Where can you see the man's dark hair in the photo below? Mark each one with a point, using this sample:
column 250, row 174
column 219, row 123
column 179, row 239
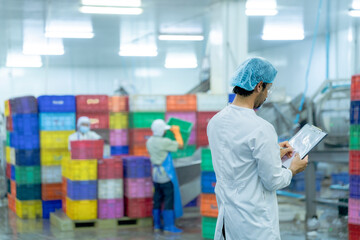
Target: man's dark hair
column 242, row 92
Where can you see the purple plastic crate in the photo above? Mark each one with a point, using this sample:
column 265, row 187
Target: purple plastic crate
column 82, row 190
column 355, row 186
column 137, row 167
column 23, row 105
column 186, row 116
column 354, row 211
column 138, row 187
column 54, row 104
column 110, row 208
column 119, row 137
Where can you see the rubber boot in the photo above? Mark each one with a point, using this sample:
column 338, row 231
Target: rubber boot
column 169, row 222
column 157, row 220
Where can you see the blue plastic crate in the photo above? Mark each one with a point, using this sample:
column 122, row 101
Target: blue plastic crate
column 12, row 172
column 354, row 186
column 119, row 150
column 355, row 112
column 82, row 190
column 50, row 206
column 54, row 104
column 28, row 191
column 208, row 182
column 25, row 123
column 298, row 182
column 193, row 203
column 340, row 178
column 27, row 157
column 137, row 167
column 25, row 142
column 231, row 97
column 57, row 121
column 23, row 105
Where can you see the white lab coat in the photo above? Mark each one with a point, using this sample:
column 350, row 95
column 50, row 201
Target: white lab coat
column 79, row 137
column 246, row 159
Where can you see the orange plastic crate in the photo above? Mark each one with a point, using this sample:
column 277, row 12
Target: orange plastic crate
column 12, row 202
column 139, row 151
column 118, row 104
column 208, row 205
column 13, row 188
column 51, row 191
column 181, row 103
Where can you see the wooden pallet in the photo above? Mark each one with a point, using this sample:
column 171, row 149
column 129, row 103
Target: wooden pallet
column 64, row 223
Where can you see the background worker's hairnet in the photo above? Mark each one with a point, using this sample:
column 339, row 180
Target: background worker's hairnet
column 83, row 120
column 253, row 71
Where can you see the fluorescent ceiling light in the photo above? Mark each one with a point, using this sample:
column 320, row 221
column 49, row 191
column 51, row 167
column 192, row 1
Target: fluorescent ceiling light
column 261, row 12
column 138, row 51
column 43, row 47
column 22, row 61
column 111, row 10
column 166, row 37
column 69, row 34
column 181, row 61
column 285, row 27
column 113, row 3
column 354, row 12
column 69, row 29
column 355, row 4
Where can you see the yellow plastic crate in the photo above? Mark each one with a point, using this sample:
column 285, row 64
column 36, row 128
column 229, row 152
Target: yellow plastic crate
column 81, row 170
column 8, row 152
column 7, row 108
column 51, row 157
column 119, row 120
column 55, row 139
column 29, row 226
column 81, row 210
column 29, row 209
column 64, row 163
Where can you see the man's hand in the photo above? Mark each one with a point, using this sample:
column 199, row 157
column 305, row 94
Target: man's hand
column 298, row 165
column 285, row 149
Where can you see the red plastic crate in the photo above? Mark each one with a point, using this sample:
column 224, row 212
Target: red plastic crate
column 118, row 104
column 354, row 232
column 51, row 191
column 355, row 87
column 12, row 202
column 110, row 208
column 87, row 149
column 111, row 168
column 138, row 207
column 92, row 103
column 97, row 120
column 138, row 137
column 63, row 202
column 354, row 162
column 138, row 187
column 64, row 187
column 8, row 171
column 203, row 118
column 9, row 124
column 201, row 137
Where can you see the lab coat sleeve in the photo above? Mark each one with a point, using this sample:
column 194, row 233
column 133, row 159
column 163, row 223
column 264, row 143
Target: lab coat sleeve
column 266, row 152
column 170, row 145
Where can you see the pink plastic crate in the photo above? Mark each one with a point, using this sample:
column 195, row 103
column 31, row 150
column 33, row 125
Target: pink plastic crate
column 138, row 187
column 110, row 209
column 119, row 137
column 186, row 116
column 354, row 211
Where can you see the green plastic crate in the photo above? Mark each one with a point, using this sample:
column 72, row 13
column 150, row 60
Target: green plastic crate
column 206, row 160
column 8, row 139
column 185, row 129
column 144, row 119
column 208, row 227
column 186, row 152
column 354, row 137
column 28, row 175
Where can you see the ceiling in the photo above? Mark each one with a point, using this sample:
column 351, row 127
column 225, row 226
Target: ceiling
column 102, row 50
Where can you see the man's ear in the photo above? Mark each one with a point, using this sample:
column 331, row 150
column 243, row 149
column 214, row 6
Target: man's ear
column 258, row 87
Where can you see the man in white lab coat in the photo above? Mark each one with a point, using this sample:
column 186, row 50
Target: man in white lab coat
column 83, row 131
column 247, row 159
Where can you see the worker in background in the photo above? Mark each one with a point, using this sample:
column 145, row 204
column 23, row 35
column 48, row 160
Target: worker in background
column 247, row 159
column 167, row 192
column 83, row 131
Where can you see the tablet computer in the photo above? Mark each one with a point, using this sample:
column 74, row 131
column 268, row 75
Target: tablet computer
column 304, row 141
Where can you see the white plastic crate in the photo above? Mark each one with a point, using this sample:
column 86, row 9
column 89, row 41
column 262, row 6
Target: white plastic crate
column 110, row 189
column 12, row 156
column 51, row 174
column 211, row 102
column 147, row 103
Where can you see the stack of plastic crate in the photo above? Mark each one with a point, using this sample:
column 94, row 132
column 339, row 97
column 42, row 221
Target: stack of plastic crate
column 25, row 141
column 110, row 189
column 95, row 107
column 138, row 186
column 57, row 117
column 81, row 179
column 119, row 125
column 208, row 204
column 354, row 161
column 144, row 109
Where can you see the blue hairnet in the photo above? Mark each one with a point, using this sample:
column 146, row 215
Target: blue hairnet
column 252, row 71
